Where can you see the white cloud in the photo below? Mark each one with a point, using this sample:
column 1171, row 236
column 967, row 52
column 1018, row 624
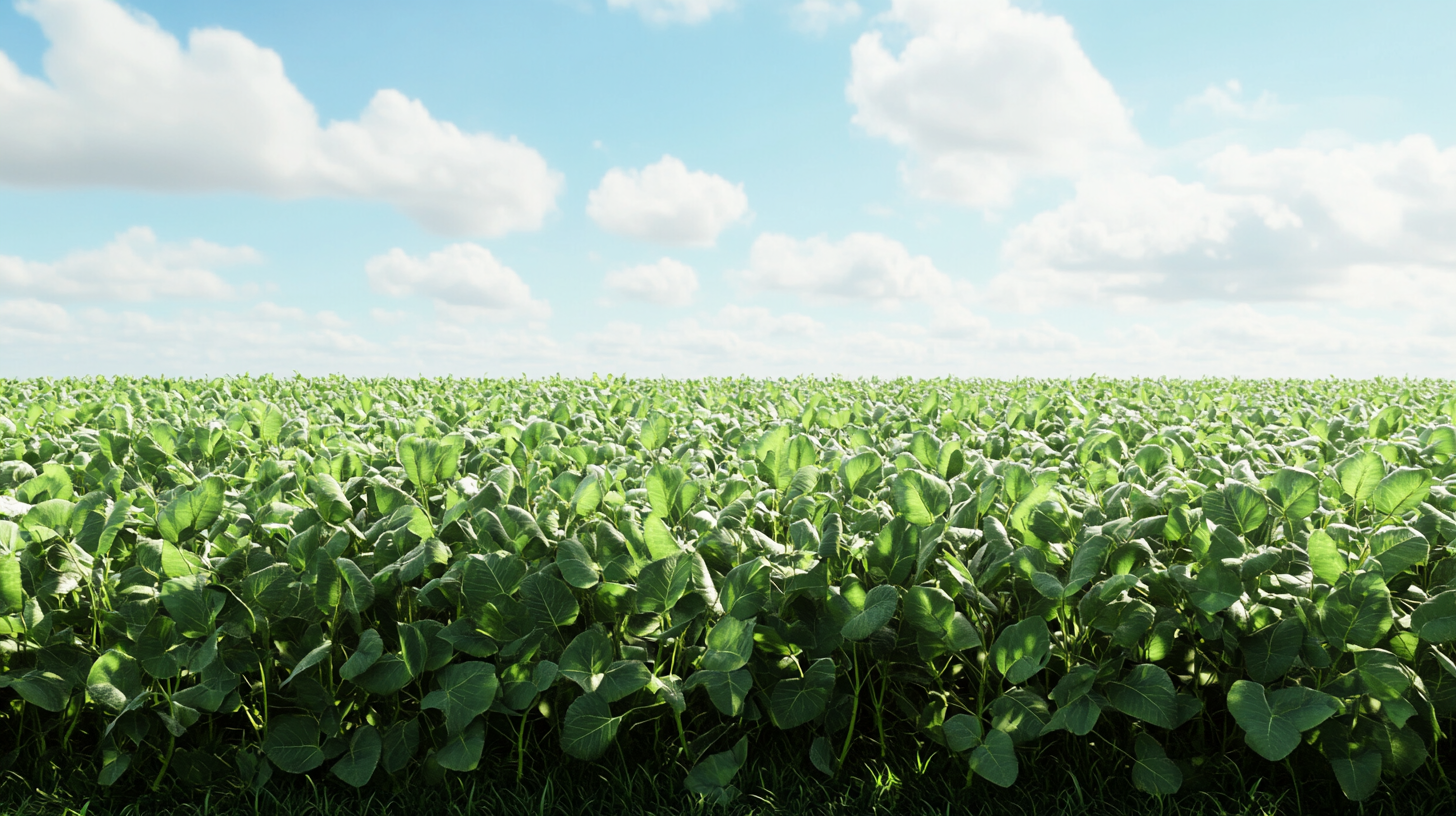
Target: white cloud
column 665, row 283
column 865, row 266
column 133, row 267
column 1227, row 101
column 662, row 12
column 44, row 339
column 665, row 203
column 123, row 104
column 983, row 95
column 463, row 281
column 1366, row 225
column 818, row 16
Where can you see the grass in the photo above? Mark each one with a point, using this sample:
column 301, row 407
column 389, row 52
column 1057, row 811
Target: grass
column 778, row 785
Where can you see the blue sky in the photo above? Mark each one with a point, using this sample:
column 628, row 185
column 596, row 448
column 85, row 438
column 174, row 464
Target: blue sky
column 762, row 187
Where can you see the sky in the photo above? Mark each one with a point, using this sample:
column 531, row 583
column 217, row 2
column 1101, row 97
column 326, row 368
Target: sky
column 686, row 188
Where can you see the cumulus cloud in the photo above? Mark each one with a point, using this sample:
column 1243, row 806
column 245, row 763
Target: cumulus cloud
column 817, row 16
column 133, row 267
column 665, row 283
column 46, row 339
column 982, row 95
column 124, row 104
column 1365, row 225
column 1227, row 101
column 865, row 266
column 662, row 12
column 462, row 280
column 665, row 203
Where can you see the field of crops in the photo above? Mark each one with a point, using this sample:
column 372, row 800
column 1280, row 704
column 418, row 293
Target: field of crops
column 389, row 582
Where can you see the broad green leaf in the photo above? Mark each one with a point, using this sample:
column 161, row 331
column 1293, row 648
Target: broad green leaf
column 12, row 592
column 388, row 675
column 1270, row 652
column 1402, row 491
column 463, row 691
column 746, row 589
column 920, row 497
column 1295, row 493
column 589, row 727
column 713, row 775
column 1358, row 773
column 727, row 690
column 730, row 644
column 586, row 657
column 1077, row 717
column 328, row 497
column 800, row 699
column 1146, row 693
column 661, row 583
column 1325, row 557
column 292, row 743
column 621, row 679
column 357, row 764
column 414, row 648
column 1397, row 549
column 860, row 471
column 963, row 732
column 191, row 512
column 879, row 606
column 995, row 759
column 1152, row 771
column 549, row 600
column 461, row 751
column 192, row 605
column 1435, row 620
column 1359, row 474
column 1022, row 649
column 1218, row 587
column 358, row 592
column 576, row 564
column 1273, row 722
column 1357, row 613
column 369, row 650
column 485, row 578
column 43, row 689
column 114, row 680
column 316, row 655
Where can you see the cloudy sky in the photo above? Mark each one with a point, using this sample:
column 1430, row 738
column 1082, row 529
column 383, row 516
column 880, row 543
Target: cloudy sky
column 762, row 187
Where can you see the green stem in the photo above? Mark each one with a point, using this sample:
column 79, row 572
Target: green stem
column 853, row 712
column 521, row 747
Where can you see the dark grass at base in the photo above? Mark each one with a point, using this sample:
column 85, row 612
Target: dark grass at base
column 619, row 788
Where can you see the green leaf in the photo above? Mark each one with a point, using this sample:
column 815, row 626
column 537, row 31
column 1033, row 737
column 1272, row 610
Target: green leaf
column 995, row 759
column 1325, row 557
column 661, row 583
column 1397, row 549
column 1272, row 723
column 357, row 764
column 713, row 775
column 427, row 462
column 1152, row 771
column 963, row 732
column 879, row 606
column 589, row 727
column 860, row 471
column 1295, row 493
column 12, row 592
column 798, row 700
column 192, row 512
column 1359, row 474
column 1358, row 774
column 369, row 650
column 576, row 565
column 328, row 497
column 1270, row 652
column 114, row 680
column 1146, row 693
column 358, row 592
column 1022, row 649
column 293, row 744
column 461, row 751
column 484, row 578
column 1435, row 620
column 43, row 689
column 1077, row 717
column 388, row 675
column 730, row 644
column 463, row 691
column 621, row 679
column 920, row 497
column 746, row 589
column 549, row 600
column 1402, row 491
column 315, row 656
column 727, row 690
column 1358, row 612
column 414, row 648
column 1246, row 505
column 1218, row 587
column 587, row 656
column 192, row 605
